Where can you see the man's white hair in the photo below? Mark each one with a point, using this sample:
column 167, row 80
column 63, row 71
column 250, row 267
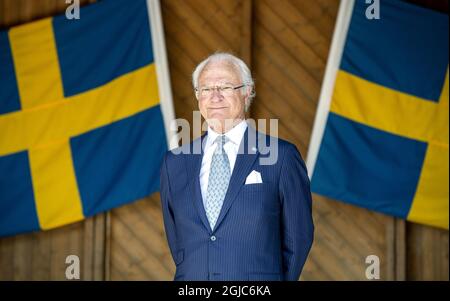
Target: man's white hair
column 239, row 65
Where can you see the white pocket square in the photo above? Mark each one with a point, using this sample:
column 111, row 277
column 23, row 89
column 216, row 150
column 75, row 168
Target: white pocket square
column 253, row 178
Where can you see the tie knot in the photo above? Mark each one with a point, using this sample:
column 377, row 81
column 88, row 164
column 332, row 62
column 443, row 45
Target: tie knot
column 221, row 140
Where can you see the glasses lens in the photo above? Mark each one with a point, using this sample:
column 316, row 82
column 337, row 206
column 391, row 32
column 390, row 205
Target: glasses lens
column 226, row 90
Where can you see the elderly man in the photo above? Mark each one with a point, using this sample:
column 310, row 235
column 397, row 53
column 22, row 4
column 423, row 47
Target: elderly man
column 227, row 215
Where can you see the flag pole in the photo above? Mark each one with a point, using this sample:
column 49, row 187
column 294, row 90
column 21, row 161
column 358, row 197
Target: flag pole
column 162, row 69
column 333, row 62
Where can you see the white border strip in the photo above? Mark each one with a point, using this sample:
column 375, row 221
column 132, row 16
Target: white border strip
column 162, row 69
column 334, row 60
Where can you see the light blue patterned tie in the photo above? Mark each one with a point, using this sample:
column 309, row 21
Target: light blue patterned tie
column 219, row 177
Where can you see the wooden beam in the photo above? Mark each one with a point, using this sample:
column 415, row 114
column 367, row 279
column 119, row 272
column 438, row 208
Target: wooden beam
column 396, row 250
column 245, row 50
column 95, row 248
column 107, row 261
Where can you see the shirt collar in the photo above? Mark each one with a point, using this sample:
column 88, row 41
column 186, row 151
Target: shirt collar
column 234, row 135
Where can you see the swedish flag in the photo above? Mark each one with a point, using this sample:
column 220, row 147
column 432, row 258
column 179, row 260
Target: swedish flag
column 81, row 130
column 385, row 142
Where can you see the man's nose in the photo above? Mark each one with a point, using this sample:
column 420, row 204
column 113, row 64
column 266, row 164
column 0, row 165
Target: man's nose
column 216, row 94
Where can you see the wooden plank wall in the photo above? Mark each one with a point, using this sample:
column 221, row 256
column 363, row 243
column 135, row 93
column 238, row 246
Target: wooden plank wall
column 41, row 256
column 193, row 30
column 291, row 42
column 286, row 43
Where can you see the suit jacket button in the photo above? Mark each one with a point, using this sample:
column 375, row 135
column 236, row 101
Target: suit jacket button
column 213, row 238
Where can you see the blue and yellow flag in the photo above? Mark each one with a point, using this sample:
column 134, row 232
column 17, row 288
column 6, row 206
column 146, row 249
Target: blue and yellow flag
column 385, row 143
column 81, row 130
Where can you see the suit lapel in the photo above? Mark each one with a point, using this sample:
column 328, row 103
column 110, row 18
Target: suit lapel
column 244, row 161
column 193, row 164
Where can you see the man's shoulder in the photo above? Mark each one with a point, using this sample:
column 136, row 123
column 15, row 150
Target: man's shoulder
column 280, row 141
column 191, row 148
column 282, row 144
column 274, row 150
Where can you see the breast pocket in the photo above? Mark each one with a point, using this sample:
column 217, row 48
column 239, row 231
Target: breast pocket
column 260, row 198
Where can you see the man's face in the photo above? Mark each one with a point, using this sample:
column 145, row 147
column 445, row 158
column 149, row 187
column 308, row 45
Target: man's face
column 219, row 107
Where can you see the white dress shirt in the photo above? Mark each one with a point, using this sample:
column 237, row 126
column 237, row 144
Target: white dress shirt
column 231, row 148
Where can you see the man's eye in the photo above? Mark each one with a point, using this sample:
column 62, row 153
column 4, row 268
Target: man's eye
column 206, row 90
column 226, row 88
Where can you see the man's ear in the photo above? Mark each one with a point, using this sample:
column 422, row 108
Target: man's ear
column 246, row 99
column 248, row 93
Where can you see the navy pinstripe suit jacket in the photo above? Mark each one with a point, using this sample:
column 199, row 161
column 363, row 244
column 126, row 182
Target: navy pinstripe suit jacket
column 264, row 231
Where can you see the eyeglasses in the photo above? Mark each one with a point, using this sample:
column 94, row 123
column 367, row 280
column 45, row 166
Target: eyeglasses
column 225, row 90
